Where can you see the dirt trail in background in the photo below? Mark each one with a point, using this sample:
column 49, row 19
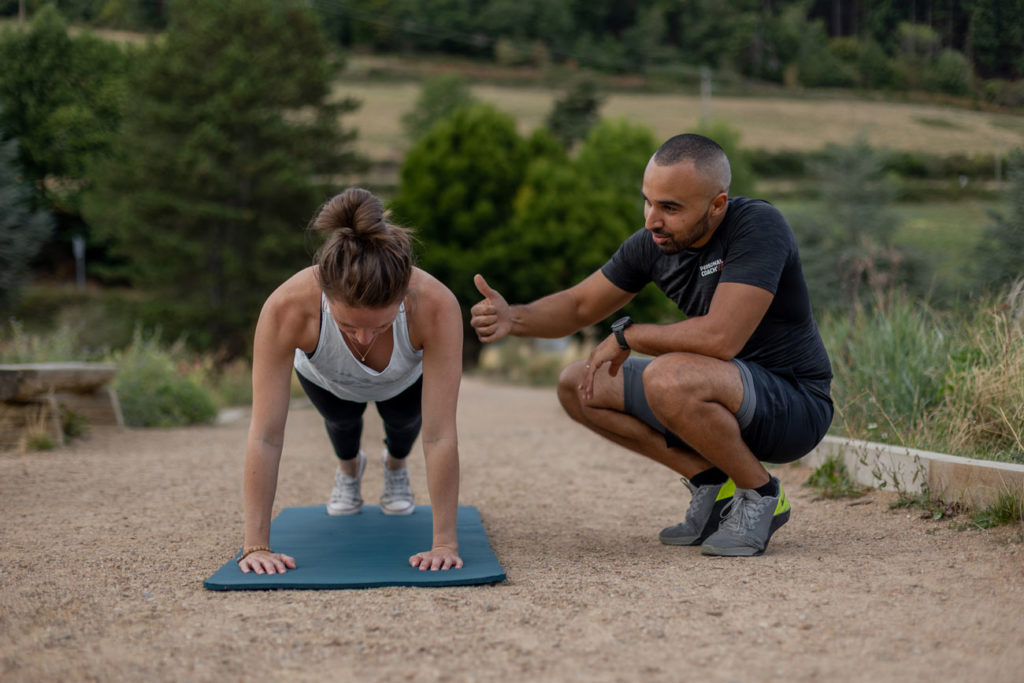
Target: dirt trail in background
column 106, row 543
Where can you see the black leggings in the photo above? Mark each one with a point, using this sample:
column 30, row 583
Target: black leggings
column 401, row 414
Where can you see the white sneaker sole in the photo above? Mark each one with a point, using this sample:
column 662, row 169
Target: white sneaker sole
column 341, row 512
column 398, row 511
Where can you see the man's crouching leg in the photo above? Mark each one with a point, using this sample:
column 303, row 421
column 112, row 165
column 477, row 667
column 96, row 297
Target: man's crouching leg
column 605, row 413
column 697, row 398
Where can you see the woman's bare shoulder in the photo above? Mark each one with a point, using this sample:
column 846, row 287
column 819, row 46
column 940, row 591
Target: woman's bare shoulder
column 428, row 296
column 292, row 311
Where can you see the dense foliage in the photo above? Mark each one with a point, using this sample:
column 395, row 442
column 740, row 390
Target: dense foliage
column 1000, row 255
column 571, row 213
column 458, row 184
column 22, row 230
column 61, row 98
column 439, row 97
column 847, row 249
column 213, row 178
column 938, row 45
column 575, row 112
column 821, row 43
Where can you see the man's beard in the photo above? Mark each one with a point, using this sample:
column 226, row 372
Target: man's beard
column 700, row 229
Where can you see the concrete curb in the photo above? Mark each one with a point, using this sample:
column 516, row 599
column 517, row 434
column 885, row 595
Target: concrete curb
column 975, row 483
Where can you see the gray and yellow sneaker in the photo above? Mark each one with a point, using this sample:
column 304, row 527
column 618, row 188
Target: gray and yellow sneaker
column 703, row 515
column 748, row 523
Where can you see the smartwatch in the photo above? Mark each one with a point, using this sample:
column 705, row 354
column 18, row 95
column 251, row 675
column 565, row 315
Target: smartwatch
column 619, row 329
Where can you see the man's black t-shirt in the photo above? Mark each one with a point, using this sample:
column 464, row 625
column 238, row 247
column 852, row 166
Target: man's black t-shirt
column 753, row 245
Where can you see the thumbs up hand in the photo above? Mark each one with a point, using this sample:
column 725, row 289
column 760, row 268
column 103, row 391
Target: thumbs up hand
column 491, row 317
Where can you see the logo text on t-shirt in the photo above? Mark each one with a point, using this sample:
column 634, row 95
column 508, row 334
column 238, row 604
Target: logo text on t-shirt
column 712, row 267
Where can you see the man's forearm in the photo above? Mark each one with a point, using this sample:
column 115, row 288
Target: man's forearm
column 689, row 335
column 556, row 315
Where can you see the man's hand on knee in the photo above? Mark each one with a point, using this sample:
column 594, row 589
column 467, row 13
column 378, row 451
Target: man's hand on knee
column 607, row 353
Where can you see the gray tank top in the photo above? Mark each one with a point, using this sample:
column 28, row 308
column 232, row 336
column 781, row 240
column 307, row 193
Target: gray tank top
column 333, row 366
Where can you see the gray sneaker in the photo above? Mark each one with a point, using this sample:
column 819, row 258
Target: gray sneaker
column 396, row 499
column 346, row 498
column 748, row 523
column 703, row 515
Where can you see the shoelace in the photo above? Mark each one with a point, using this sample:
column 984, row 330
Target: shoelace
column 345, row 490
column 697, row 491
column 396, row 482
column 747, row 512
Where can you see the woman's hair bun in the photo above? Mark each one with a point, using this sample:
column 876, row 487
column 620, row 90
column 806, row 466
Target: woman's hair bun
column 364, row 260
column 356, row 212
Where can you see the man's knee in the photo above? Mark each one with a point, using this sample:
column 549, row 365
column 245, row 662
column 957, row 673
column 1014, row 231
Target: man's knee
column 682, row 381
column 668, row 381
column 568, row 386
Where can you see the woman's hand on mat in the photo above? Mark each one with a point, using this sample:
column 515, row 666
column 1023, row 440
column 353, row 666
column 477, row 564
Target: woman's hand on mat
column 262, row 562
column 491, row 317
column 440, row 557
column 609, row 352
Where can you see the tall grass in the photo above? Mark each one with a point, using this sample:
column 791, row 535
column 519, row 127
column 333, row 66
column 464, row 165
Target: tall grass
column 158, row 384
column 983, row 403
column 889, row 361
column 911, row 376
column 62, row 344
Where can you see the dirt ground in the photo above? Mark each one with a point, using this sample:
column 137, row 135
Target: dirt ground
column 106, row 543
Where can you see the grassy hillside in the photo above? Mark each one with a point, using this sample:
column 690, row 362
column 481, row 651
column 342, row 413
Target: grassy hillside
column 766, row 122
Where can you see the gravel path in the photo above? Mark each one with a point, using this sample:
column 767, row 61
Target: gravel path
column 105, row 545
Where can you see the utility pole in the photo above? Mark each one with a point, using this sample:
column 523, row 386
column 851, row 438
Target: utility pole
column 705, row 94
column 21, row 11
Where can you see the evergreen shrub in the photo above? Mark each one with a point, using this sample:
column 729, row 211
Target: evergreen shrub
column 156, row 389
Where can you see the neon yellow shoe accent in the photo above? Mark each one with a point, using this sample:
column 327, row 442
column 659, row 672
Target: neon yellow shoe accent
column 783, row 504
column 727, row 491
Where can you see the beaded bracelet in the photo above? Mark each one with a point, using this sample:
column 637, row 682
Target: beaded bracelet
column 254, row 549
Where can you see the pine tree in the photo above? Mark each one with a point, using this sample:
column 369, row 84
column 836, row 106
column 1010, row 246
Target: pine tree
column 22, row 230
column 1000, row 254
column 61, row 98
column 573, row 114
column 224, row 158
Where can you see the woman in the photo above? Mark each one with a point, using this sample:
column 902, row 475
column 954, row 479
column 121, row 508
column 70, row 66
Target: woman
column 361, row 324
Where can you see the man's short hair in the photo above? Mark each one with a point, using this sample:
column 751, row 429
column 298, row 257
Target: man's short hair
column 707, row 157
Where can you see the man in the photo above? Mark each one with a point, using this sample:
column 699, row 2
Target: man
column 743, row 379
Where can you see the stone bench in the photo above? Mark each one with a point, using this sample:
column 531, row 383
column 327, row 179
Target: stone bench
column 36, row 395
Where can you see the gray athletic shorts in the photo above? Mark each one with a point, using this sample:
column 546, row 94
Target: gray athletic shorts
column 780, row 419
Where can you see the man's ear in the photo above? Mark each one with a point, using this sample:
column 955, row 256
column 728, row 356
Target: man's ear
column 719, row 203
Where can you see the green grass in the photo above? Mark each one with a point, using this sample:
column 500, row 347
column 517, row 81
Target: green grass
column 1014, row 124
column 1008, row 509
column 889, row 362
column 833, row 480
column 937, row 122
column 908, row 375
column 942, row 233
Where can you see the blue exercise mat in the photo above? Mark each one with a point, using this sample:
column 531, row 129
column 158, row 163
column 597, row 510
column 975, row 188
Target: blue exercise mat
column 366, row 550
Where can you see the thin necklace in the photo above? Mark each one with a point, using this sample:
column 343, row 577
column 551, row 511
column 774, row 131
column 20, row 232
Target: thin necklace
column 362, row 356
